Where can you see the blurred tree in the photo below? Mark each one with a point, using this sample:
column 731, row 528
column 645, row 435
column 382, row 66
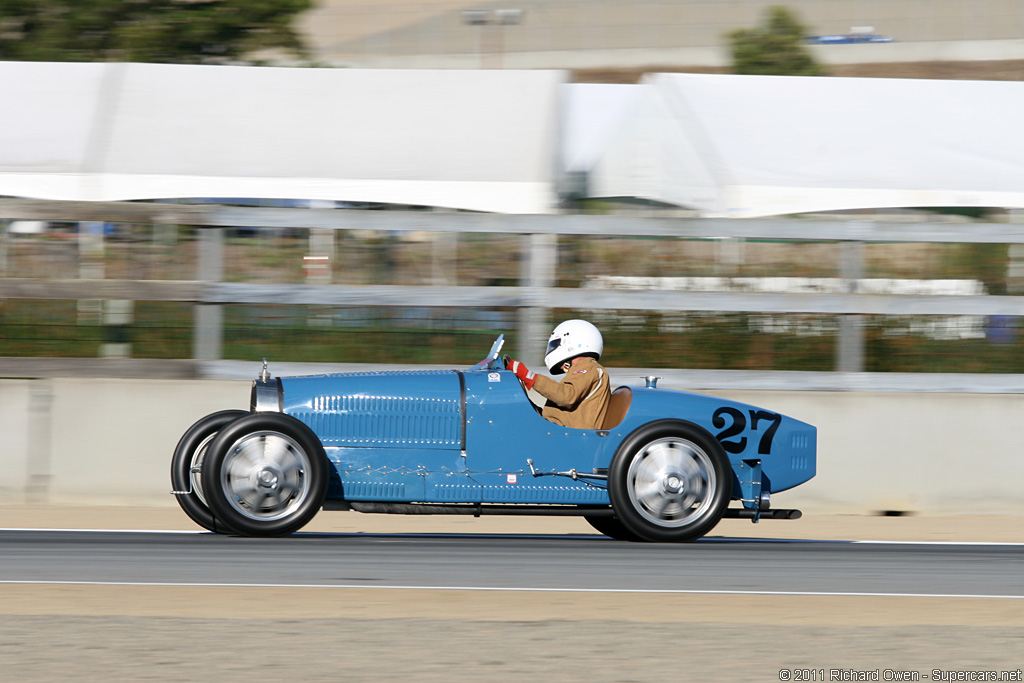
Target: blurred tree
column 167, row 31
column 776, row 48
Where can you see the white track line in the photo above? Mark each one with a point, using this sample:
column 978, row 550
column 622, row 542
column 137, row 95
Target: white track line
column 1007, row 543
column 517, row 589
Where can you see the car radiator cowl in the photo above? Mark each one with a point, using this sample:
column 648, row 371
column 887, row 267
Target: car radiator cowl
column 266, row 395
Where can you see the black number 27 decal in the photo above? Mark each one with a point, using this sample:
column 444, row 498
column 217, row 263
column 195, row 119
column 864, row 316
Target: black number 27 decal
column 734, row 422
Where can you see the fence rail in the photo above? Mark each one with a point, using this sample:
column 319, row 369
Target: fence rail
column 510, row 297
column 796, row 229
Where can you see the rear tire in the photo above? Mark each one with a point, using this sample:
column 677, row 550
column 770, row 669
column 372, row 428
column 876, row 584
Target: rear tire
column 612, row 527
column 187, row 465
column 670, row 481
column 265, row 474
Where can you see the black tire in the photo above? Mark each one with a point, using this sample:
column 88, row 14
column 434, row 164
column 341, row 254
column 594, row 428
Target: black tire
column 186, row 466
column 612, row 527
column 670, row 481
column 265, row 474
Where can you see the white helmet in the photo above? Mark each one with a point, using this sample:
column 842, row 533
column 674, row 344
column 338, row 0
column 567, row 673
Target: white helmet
column 570, row 339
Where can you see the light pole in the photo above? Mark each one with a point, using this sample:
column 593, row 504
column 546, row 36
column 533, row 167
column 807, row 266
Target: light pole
column 492, row 23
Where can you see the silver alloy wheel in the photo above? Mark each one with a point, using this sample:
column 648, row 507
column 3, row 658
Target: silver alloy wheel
column 671, row 482
column 265, row 476
column 195, row 471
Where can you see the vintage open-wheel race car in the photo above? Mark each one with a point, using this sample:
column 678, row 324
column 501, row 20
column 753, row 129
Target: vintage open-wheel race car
column 664, row 466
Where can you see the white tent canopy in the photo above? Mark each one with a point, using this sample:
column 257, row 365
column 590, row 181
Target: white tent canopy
column 479, row 140
column 502, row 141
column 747, row 146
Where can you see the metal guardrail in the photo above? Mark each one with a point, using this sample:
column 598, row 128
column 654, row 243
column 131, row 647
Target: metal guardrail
column 218, row 216
column 510, row 297
column 692, row 380
column 532, row 297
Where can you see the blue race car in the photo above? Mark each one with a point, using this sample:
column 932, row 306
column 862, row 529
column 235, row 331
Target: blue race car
column 664, row 466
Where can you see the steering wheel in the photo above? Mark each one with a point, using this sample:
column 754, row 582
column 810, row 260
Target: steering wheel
column 505, row 360
column 504, row 363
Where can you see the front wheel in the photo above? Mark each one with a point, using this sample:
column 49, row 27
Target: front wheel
column 670, row 481
column 265, row 474
column 187, row 467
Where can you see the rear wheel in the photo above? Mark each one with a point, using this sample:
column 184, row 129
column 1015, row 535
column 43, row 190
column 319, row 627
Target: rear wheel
column 670, row 481
column 187, row 467
column 612, row 527
column 265, row 474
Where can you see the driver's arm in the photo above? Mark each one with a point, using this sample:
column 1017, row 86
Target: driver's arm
column 565, row 394
column 570, row 391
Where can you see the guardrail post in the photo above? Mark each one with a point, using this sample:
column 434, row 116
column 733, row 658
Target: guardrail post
column 91, row 266
column 318, row 264
column 850, row 346
column 4, row 223
column 40, row 454
column 537, row 272
column 208, row 333
column 1015, row 258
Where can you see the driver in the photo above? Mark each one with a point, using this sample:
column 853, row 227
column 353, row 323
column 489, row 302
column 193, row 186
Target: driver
column 581, row 399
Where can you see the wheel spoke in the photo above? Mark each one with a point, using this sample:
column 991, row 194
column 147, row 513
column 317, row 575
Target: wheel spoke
column 291, row 482
column 662, row 505
column 647, row 493
column 696, row 486
column 292, row 469
column 691, row 468
column 249, row 452
column 262, row 500
column 278, row 451
column 687, row 500
column 238, row 469
column 659, row 457
column 268, row 500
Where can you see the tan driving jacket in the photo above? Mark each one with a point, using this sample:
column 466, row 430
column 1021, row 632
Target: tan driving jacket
column 581, row 399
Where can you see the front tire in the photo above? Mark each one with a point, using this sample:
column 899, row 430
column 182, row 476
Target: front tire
column 670, row 481
column 265, row 475
column 187, row 467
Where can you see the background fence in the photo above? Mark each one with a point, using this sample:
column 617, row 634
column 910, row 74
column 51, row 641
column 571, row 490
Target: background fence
column 171, row 290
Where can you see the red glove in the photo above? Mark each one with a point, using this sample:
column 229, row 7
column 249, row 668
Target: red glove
column 520, row 371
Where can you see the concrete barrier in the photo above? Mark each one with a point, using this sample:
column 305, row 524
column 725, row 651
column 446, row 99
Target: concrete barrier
column 928, row 453
column 109, row 442
column 100, row 441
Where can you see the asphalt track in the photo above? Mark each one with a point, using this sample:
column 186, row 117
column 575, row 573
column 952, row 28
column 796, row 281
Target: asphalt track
column 514, row 562
column 360, row 598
